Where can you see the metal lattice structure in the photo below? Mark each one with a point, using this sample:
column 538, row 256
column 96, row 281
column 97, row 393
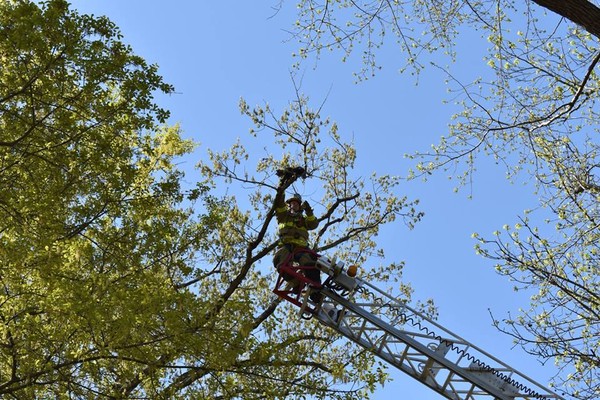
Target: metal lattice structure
column 407, row 339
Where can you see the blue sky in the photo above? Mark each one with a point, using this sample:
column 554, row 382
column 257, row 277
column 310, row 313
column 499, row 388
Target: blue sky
column 216, row 52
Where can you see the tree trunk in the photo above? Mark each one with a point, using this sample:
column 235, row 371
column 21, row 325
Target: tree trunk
column 582, row 12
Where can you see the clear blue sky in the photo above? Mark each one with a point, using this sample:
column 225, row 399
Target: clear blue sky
column 215, row 52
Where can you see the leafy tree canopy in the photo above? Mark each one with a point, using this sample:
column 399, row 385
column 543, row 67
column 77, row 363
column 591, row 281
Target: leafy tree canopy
column 118, row 281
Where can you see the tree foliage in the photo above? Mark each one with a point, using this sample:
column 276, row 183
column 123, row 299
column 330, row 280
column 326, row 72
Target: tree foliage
column 118, row 281
column 352, row 210
column 533, row 109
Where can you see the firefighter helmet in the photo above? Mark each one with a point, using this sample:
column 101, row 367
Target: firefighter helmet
column 295, row 197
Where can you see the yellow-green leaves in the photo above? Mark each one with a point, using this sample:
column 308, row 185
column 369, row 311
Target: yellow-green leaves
column 95, row 246
column 282, row 349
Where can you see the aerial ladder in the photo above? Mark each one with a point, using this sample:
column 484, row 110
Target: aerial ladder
column 402, row 336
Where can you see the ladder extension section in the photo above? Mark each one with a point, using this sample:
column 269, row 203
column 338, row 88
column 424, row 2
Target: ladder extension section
column 413, row 343
column 423, row 349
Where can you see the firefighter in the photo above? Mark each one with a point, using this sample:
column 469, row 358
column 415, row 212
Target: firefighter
column 293, row 234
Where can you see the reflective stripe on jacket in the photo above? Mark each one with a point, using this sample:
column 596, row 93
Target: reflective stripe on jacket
column 293, row 229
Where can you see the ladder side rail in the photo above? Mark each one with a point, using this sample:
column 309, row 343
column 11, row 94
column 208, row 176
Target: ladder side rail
column 402, row 306
column 461, row 346
column 484, row 374
column 384, row 331
column 403, row 361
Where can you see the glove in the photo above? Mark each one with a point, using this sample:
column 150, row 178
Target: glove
column 306, row 207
